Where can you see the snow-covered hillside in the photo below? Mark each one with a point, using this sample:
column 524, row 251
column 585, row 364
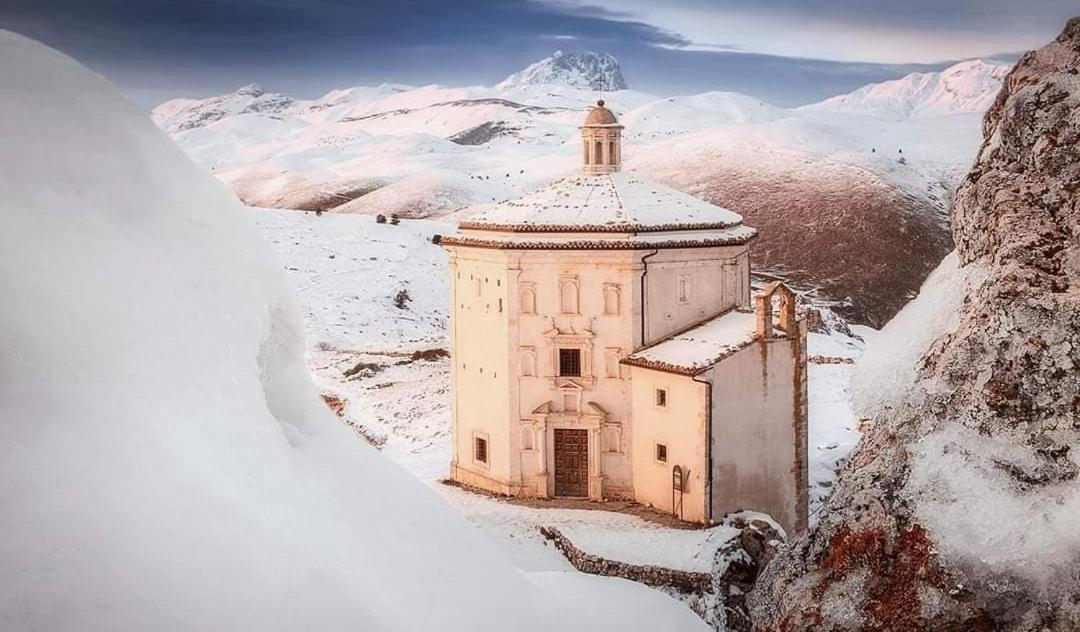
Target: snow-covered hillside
column 435, row 149
column 969, row 86
column 415, row 151
column 588, row 71
column 820, row 180
column 280, row 152
column 676, row 116
column 166, row 462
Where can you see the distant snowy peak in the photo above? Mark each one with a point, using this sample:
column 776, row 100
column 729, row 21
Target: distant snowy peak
column 969, row 86
column 586, row 71
column 179, row 115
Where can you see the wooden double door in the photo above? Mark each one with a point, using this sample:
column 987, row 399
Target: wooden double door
column 571, row 462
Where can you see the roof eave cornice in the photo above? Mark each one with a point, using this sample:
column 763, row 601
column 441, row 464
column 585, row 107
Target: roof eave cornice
column 594, row 244
column 596, row 228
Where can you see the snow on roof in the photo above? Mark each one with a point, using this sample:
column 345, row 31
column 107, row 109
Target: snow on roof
column 574, row 240
column 700, row 347
column 614, row 202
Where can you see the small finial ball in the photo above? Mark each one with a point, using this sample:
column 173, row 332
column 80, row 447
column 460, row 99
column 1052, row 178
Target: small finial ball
column 600, row 103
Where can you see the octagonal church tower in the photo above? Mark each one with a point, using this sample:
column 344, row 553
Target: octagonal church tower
column 589, row 322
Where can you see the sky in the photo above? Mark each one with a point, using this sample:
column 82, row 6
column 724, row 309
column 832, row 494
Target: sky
column 785, row 51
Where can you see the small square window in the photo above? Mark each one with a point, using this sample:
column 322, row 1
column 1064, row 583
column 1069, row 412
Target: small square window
column 661, row 397
column 570, row 362
column 661, row 452
column 480, row 450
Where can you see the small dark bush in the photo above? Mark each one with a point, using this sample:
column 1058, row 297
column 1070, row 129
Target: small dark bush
column 429, row 355
column 402, row 299
column 380, row 219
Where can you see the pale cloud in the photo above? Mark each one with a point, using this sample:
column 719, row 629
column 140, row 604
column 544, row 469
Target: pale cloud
column 917, row 31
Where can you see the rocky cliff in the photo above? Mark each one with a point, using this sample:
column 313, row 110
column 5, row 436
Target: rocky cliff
column 959, row 510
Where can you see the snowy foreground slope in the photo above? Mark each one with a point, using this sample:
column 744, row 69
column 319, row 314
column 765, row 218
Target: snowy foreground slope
column 165, row 460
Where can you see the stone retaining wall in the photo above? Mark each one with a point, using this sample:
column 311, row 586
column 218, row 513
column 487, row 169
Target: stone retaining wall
column 684, row 581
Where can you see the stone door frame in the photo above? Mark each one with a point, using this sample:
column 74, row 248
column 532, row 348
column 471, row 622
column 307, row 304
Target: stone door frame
column 548, row 422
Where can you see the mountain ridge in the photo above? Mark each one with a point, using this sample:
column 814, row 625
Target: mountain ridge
column 963, row 87
column 587, row 71
column 433, row 150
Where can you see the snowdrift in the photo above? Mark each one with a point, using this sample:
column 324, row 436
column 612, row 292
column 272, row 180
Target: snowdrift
column 165, row 462
column 886, row 372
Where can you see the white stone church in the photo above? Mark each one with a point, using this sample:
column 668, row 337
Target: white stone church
column 605, row 346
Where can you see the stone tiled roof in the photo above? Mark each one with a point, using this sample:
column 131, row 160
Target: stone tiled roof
column 615, row 202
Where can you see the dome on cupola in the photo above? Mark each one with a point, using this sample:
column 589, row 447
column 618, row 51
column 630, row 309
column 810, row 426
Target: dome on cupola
column 600, row 115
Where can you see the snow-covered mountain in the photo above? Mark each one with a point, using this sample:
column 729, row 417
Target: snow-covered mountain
column 180, row 115
column 969, row 86
column 433, row 150
column 588, row 71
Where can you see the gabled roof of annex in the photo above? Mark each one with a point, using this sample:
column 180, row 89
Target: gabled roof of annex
column 694, row 350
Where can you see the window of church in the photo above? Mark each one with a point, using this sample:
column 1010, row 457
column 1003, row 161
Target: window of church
column 480, row 450
column 570, row 362
column 684, row 289
column 661, row 398
column 611, row 299
column 661, row 452
column 527, row 437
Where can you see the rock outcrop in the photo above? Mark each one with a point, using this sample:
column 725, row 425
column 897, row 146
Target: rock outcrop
column 960, row 508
